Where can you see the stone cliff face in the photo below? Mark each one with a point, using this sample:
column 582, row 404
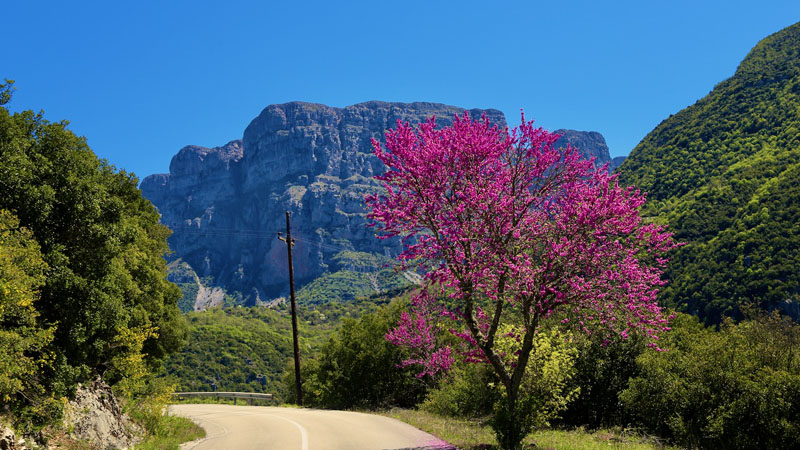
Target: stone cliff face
column 227, row 204
column 590, row 144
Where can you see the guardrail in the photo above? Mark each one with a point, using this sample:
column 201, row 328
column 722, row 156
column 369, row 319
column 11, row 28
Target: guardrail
column 249, row 396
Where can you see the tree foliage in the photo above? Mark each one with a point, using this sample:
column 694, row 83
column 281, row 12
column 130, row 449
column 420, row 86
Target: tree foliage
column 358, row 368
column 738, row 388
column 22, row 336
column 511, row 230
column 602, row 371
column 102, row 245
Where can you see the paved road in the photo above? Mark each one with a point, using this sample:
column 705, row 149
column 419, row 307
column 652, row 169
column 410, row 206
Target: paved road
column 230, row 427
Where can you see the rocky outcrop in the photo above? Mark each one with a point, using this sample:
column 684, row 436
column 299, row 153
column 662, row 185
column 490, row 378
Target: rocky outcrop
column 94, row 415
column 591, row 144
column 10, row 441
column 226, row 204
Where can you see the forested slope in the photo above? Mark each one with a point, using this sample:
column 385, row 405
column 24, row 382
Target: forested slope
column 723, row 173
column 250, row 348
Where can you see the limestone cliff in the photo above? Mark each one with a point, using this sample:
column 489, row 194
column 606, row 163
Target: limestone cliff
column 591, row 144
column 226, row 204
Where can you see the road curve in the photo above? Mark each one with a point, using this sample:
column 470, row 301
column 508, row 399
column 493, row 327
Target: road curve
column 230, row 427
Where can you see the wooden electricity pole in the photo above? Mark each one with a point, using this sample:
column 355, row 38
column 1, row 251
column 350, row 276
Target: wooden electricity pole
column 289, row 244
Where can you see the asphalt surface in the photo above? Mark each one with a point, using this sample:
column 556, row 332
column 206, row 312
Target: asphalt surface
column 230, row 427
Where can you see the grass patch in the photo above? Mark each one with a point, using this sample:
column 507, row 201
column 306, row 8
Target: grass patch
column 476, row 435
column 170, row 433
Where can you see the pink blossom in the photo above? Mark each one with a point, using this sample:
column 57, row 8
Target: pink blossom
column 507, row 220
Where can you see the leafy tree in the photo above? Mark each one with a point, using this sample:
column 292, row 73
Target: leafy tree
column 738, row 388
column 549, row 373
column 511, row 230
column 602, row 371
column 101, row 241
column 23, row 338
column 357, row 367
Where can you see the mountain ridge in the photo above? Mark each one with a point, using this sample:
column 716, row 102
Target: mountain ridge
column 226, row 204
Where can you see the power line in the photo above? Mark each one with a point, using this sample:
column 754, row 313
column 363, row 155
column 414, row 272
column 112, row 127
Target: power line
column 243, row 232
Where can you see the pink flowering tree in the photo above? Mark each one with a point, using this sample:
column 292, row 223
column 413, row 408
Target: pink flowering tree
column 510, row 229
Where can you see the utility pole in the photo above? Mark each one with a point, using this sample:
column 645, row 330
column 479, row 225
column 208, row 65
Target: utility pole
column 289, row 244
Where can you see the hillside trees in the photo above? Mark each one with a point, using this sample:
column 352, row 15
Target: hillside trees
column 511, row 231
column 102, row 245
column 358, row 368
column 723, row 174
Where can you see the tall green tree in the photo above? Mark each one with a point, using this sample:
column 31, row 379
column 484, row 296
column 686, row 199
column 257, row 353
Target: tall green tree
column 21, row 276
column 359, row 368
column 101, row 241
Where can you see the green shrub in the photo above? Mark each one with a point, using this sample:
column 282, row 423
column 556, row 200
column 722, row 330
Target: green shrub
column 469, row 390
column 738, row 388
column 548, row 383
column 602, row 371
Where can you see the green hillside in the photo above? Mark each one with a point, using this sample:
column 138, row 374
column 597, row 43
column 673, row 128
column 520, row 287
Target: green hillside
column 361, row 275
column 353, row 275
column 249, row 348
column 241, row 349
column 723, row 173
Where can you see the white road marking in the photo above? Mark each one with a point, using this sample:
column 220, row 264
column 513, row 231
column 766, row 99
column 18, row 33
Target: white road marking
column 303, row 433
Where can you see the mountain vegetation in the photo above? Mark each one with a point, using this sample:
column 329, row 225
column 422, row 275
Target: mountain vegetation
column 723, row 173
column 83, row 289
column 360, row 275
column 248, row 348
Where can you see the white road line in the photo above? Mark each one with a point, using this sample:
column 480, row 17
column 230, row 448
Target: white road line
column 303, row 433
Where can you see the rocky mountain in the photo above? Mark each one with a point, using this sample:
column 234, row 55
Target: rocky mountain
column 723, row 173
column 591, row 144
column 226, row 204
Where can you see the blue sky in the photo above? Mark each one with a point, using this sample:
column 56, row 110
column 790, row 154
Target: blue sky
column 142, row 79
